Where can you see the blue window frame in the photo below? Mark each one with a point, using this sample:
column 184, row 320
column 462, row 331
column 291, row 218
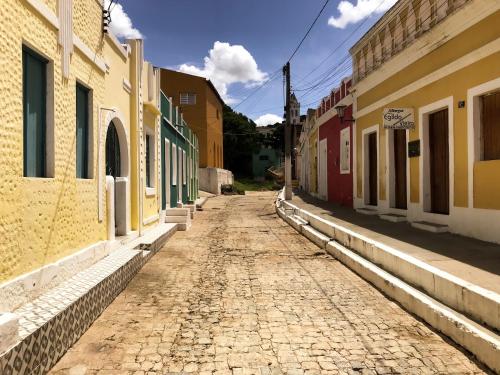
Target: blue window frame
column 82, row 131
column 34, row 113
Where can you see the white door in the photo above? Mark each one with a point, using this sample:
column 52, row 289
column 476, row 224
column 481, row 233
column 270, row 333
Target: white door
column 322, row 169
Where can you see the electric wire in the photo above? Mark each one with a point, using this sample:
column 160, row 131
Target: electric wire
column 308, row 30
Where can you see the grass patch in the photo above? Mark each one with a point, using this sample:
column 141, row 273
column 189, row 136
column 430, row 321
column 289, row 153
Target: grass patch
column 248, row 184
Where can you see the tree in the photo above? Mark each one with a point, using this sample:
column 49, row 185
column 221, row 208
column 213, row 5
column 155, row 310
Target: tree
column 241, row 140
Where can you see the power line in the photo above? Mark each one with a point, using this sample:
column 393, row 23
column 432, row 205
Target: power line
column 309, row 30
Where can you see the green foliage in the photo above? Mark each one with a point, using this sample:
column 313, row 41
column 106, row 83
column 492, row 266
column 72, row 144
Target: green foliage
column 241, row 140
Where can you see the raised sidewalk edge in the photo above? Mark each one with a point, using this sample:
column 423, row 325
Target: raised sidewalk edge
column 339, row 241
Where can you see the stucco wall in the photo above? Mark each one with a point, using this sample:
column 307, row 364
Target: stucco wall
column 42, row 217
column 455, row 84
column 340, row 188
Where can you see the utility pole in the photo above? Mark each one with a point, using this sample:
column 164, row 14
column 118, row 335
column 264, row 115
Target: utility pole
column 288, row 126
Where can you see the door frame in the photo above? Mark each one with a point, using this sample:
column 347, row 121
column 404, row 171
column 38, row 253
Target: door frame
column 424, row 160
column 391, row 175
column 365, row 166
column 323, row 180
column 167, row 178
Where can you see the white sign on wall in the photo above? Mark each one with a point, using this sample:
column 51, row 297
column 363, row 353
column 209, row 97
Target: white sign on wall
column 399, row 118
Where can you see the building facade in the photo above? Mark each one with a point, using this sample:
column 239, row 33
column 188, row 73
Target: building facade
column 179, row 155
column 426, row 80
column 335, row 122
column 80, row 172
column 201, row 106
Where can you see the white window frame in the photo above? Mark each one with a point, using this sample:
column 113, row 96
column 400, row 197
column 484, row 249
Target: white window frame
column 150, row 190
column 348, row 157
column 474, row 129
column 174, row 164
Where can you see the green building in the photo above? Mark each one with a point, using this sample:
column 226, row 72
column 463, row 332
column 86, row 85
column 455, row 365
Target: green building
column 179, row 158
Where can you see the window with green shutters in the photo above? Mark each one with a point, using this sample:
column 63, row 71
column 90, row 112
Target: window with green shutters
column 34, row 113
column 82, row 132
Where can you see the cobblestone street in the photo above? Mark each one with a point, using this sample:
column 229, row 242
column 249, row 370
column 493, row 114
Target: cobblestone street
column 243, row 293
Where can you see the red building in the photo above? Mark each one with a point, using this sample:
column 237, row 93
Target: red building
column 335, row 179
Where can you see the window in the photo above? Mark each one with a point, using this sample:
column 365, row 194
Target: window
column 174, row 164
column 490, row 123
column 34, row 114
column 149, row 162
column 82, row 132
column 345, row 151
column 187, row 98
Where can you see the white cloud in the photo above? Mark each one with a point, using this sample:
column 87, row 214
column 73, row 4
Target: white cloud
column 268, row 119
column 350, row 13
column 227, row 64
column 121, row 24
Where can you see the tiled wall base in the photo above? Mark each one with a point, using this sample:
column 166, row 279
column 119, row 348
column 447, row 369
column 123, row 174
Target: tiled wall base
column 51, row 324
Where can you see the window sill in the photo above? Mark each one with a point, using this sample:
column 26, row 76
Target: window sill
column 150, row 191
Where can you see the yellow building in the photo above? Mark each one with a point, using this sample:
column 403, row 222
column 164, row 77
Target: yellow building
column 80, row 161
column 427, row 110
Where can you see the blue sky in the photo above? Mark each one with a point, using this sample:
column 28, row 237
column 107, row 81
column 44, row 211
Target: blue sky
column 255, row 39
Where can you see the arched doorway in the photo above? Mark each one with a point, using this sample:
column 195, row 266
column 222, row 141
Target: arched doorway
column 116, row 166
column 113, row 162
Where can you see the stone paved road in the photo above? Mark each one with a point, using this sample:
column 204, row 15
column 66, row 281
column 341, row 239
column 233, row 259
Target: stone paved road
column 243, row 293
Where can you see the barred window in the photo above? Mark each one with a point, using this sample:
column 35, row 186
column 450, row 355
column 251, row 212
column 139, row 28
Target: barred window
column 187, row 98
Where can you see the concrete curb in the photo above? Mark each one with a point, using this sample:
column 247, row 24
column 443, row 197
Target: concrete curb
column 480, row 341
column 479, row 304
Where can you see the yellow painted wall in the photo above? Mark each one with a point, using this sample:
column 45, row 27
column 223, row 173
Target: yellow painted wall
column 456, row 84
column 42, row 218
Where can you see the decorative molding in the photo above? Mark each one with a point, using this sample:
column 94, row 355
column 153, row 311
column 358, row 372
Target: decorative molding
column 470, row 58
column 65, row 38
column 116, row 43
column 423, row 44
column 87, row 52
column 45, row 12
column 151, row 219
column 127, row 86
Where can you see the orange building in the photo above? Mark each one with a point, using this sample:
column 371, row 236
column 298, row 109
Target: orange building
column 201, row 107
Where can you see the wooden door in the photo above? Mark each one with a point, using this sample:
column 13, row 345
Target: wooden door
column 400, row 168
column 439, row 162
column 372, row 169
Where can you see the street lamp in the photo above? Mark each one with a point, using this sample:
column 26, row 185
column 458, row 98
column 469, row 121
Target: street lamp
column 341, row 112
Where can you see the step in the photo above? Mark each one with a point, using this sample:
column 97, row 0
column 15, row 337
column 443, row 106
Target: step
column 482, row 342
column 177, row 219
column 43, row 323
column 177, row 212
column 315, row 236
column 478, row 305
column 430, row 227
column 395, row 218
column 366, row 211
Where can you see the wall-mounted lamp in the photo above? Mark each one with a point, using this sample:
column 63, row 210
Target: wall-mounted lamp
column 341, row 112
